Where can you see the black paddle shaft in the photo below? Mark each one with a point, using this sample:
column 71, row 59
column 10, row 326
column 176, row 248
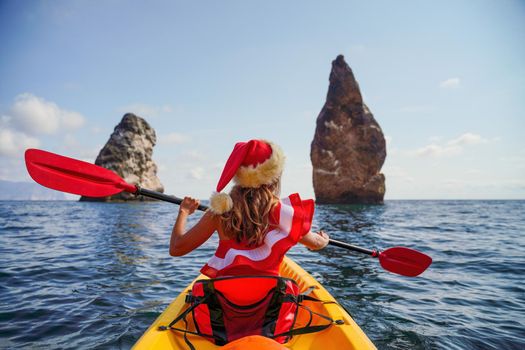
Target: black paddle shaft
column 353, row 247
column 164, row 197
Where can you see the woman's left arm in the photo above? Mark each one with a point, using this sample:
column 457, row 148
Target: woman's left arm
column 182, row 243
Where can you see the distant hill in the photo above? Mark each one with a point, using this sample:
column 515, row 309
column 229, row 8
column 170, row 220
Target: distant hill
column 10, row 190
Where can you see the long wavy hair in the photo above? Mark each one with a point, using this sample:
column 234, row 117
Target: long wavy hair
column 249, row 219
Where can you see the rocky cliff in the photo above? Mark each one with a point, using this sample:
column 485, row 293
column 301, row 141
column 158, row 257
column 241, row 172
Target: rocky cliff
column 128, row 153
column 348, row 149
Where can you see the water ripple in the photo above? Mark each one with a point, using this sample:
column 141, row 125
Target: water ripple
column 95, row 275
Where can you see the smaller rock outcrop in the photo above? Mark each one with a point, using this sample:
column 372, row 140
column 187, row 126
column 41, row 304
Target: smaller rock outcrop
column 348, row 149
column 128, row 153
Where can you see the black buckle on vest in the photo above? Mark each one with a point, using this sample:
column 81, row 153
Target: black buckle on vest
column 193, row 299
column 189, row 298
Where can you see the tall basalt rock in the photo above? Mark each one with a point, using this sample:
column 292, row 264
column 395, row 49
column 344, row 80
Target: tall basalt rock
column 128, row 153
column 348, row 149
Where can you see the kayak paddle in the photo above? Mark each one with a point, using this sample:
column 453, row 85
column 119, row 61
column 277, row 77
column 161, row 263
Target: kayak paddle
column 82, row 178
column 401, row 260
column 85, row 179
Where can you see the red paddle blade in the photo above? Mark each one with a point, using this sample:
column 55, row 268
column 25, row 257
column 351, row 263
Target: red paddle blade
column 404, row 261
column 73, row 176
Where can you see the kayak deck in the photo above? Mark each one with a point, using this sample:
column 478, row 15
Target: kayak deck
column 345, row 336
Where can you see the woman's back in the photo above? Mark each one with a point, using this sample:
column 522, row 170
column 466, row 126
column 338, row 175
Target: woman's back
column 289, row 220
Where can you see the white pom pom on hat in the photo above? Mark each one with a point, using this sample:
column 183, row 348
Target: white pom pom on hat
column 220, row 203
column 251, row 164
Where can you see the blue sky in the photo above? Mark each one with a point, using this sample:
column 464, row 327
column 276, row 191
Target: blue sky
column 445, row 80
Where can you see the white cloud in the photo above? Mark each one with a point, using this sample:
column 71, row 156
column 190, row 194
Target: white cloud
column 31, row 116
column 450, row 83
column 173, row 138
column 450, row 148
column 35, row 116
column 434, row 150
column 13, row 143
column 467, row 139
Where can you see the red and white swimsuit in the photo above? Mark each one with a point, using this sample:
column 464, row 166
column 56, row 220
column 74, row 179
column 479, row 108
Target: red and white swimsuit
column 293, row 218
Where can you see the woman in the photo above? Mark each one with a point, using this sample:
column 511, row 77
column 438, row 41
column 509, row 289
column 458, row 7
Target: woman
column 255, row 228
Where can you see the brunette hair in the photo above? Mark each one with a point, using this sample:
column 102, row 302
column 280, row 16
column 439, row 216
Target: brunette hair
column 249, row 219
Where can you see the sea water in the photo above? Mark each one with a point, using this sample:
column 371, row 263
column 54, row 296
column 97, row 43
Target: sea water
column 96, row 275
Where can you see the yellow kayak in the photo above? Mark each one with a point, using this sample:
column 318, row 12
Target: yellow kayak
column 346, row 335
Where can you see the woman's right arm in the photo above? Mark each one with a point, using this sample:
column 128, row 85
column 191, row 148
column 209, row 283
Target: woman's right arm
column 315, row 240
column 181, row 242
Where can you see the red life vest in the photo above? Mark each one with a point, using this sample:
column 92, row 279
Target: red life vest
column 292, row 219
column 266, row 306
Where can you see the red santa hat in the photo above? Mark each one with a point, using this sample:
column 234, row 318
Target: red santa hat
column 251, row 164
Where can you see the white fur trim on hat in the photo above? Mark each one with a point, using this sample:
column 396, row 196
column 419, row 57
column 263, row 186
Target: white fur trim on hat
column 265, row 173
column 220, row 203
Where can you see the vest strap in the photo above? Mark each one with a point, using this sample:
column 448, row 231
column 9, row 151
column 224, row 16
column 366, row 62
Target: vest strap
column 216, row 314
